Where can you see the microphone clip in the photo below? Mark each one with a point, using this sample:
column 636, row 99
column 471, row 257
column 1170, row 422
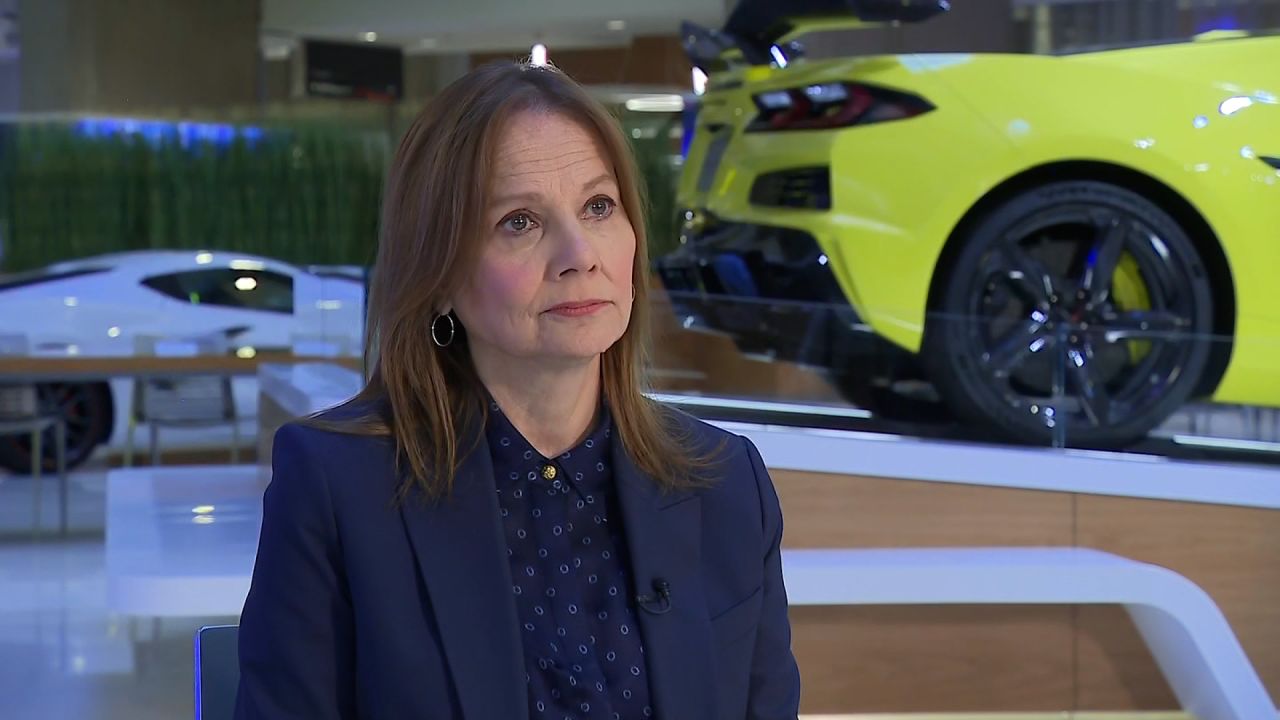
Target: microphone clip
column 660, row 602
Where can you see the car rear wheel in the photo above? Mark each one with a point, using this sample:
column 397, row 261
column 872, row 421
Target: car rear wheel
column 1078, row 308
column 88, row 411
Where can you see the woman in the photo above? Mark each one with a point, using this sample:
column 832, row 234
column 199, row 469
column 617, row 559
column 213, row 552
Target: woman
column 501, row 525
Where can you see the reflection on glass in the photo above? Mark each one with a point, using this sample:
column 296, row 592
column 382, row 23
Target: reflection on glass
column 1233, row 105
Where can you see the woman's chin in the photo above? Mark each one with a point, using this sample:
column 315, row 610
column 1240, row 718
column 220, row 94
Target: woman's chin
column 580, row 348
column 586, row 341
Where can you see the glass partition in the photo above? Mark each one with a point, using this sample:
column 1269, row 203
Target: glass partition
column 263, row 235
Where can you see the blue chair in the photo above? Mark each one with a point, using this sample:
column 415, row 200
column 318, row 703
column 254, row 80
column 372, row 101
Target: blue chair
column 217, row 671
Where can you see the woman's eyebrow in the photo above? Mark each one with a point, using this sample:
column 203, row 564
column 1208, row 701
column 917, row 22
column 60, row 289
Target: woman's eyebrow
column 533, row 195
column 513, row 198
column 600, row 179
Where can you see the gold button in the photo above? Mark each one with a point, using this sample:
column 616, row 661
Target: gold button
column 549, row 472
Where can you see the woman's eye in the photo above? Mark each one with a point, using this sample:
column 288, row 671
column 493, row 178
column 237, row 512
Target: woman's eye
column 517, row 224
column 600, row 207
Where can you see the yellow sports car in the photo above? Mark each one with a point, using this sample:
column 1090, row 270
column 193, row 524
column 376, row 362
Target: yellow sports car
column 1072, row 243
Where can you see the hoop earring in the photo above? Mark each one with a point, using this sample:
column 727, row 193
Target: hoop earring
column 435, row 332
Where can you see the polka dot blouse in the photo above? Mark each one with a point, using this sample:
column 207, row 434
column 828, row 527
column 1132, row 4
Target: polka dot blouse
column 582, row 649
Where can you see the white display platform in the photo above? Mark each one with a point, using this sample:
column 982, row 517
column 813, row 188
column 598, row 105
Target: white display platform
column 181, row 542
column 1092, row 472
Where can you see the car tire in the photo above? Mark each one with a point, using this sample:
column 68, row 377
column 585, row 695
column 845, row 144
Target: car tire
column 89, row 412
column 1077, row 312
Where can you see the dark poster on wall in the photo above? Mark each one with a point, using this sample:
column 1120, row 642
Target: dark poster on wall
column 354, row 70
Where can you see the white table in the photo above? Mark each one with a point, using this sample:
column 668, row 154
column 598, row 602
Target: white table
column 305, row 388
column 181, row 541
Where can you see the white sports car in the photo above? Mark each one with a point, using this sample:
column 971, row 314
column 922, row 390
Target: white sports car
column 100, row 306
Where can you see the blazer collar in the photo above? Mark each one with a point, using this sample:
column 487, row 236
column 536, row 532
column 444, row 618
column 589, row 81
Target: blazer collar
column 664, row 537
column 462, row 554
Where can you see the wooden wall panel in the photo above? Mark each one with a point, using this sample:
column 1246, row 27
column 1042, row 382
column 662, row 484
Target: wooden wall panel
column 822, row 510
column 919, row 659
column 1114, row 669
column 878, row 659
column 1231, row 552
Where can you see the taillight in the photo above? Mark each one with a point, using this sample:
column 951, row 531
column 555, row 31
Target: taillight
column 833, row 105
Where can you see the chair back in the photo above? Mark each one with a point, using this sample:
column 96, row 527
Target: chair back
column 190, row 399
column 217, row 671
column 196, row 399
column 14, row 344
column 19, row 402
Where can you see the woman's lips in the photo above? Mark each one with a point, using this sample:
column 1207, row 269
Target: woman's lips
column 578, row 309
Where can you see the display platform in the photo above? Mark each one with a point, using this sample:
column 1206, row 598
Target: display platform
column 1215, row 523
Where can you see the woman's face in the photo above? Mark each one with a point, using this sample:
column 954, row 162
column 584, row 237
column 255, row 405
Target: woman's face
column 554, row 278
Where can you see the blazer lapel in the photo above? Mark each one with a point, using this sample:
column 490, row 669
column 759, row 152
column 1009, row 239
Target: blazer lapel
column 461, row 551
column 664, row 539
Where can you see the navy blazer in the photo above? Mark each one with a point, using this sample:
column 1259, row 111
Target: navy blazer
column 364, row 608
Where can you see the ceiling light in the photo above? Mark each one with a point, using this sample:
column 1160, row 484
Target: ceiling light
column 369, row 36
column 538, row 55
column 616, row 25
column 246, row 283
column 699, row 81
column 656, row 103
column 275, row 48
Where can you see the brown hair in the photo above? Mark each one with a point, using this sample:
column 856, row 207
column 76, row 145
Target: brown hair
column 428, row 398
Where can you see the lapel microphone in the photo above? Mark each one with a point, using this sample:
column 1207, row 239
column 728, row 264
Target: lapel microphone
column 660, row 602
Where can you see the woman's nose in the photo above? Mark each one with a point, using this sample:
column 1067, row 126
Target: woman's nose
column 576, row 252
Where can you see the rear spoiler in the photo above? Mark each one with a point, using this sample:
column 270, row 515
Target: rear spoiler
column 755, row 27
column 709, row 50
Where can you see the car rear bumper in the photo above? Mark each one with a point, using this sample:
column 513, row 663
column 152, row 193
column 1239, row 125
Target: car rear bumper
column 770, row 288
